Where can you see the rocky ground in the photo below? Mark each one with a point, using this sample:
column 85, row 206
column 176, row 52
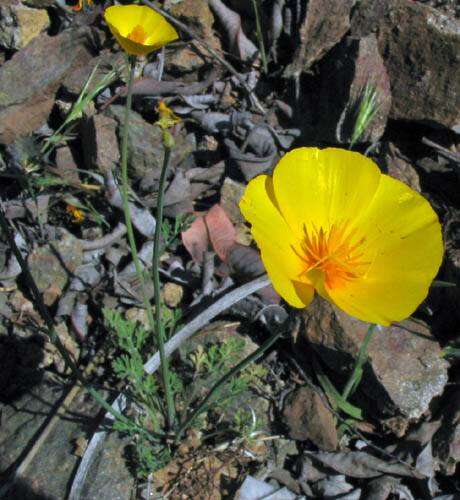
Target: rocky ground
column 59, row 191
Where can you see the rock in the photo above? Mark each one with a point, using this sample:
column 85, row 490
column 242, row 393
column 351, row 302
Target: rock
column 145, row 148
column 29, row 80
column 355, row 64
column 446, row 442
column 172, row 294
column 66, row 166
column 319, row 32
column 230, row 195
column 198, row 16
column 52, row 468
column 51, row 271
column 20, row 24
column 307, row 418
column 101, row 144
column 420, row 47
column 404, row 371
column 74, row 82
column 398, row 166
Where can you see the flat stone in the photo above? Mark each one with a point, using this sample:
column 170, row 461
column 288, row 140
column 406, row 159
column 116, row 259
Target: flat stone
column 20, row 24
column 404, row 370
column 420, row 47
column 50, row 473
column 26, row 102
column 355, row 64
column 307, row 418
column 51, row 265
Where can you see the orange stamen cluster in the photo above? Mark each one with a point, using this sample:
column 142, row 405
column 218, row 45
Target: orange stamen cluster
column 138, row 34
column 335, row 252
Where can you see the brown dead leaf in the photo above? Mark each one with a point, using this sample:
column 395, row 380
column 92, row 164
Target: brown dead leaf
column 221, row 231
column 196, row 240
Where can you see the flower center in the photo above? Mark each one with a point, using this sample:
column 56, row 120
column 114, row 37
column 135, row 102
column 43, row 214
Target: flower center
column 138, row 34
column 336, row 252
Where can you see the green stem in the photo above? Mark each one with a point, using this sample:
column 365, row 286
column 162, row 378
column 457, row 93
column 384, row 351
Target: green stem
column 263, row 54
column 228, row 376
column 164, row 363
column 132, row 242
column 355, row 377
column 51, row 331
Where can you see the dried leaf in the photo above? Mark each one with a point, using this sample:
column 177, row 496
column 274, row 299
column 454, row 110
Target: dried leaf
column 196, row 240
column 362, row 465
column 221, row 231
column 239, row 44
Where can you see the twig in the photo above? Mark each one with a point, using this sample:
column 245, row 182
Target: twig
column 453, row 157
column 106, row 240
column 154, row 362
column 199, row 41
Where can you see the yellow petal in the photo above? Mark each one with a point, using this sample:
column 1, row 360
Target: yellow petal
column 123, row 20
column 276, row 241
column 323, row 186
column 404, row 243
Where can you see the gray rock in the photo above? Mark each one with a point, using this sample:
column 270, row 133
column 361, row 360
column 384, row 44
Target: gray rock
column 51, row 265
column 404, row 370
column 20, row 24
column 145, row 147
column 101, row 144
column 51, row 470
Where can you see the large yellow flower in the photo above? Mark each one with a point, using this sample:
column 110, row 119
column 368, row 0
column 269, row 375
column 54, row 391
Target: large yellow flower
column 139, row 29
column 328, row 220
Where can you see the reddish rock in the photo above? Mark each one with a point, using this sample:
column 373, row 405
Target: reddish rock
column 354, row 65
column 29, row 80
column 420, row 47
column 404, row 370
column 307, row 418
column 324, row 25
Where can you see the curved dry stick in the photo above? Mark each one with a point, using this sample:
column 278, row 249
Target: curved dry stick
column 153, row 363
column 108, row 239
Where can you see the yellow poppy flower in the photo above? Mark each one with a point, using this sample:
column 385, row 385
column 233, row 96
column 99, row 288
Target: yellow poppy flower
column 328, row 220
column 139, row 29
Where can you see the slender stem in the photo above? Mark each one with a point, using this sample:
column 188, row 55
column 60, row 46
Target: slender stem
column 357, row 370
column 159, row 327
column 129, row 227
column 50, row 329
column 260, row 36
column 229, row 375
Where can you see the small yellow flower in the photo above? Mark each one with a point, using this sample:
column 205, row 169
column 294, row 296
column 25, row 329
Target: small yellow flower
column 81, row 3
column 78, row 215
column 328, row 220
column 139, row 29
column 167, row 117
